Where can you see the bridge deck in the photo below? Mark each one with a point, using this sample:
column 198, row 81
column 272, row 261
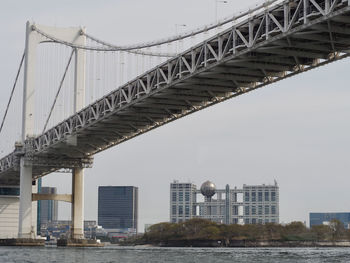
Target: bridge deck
column 285, row 40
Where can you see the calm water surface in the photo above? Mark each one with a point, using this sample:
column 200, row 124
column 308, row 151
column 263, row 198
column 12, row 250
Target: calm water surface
column 185, row 255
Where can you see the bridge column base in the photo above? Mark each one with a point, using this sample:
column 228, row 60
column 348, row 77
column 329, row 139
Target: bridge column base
column 77, row 203
column 27, row 220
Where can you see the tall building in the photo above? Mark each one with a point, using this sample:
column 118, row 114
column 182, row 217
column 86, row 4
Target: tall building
column 48, row 209
column 182, row 198
column 118, row 207
column 253, row 204
column 261, row 204
column 325, row 218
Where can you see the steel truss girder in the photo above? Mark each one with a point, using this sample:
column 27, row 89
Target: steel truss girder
column 235, row 48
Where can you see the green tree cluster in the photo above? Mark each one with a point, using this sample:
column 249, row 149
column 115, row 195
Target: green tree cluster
column 200, row 229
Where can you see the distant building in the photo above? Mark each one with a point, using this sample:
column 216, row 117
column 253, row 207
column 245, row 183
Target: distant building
column 254, row 204
column 48, row 209
column 182, row 200
column 118, row 207
column 261, row 204
column 62, row 228
column 325, row 218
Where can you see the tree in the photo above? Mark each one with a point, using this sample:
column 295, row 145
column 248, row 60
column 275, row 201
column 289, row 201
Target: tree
column 209, row 232
column 273, row 231
column 321, row 232
column 194, row 226
column 337, row 229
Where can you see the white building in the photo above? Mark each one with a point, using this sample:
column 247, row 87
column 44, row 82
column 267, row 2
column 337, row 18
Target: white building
column 9, row 207
column 253, row 204
column 182, row 198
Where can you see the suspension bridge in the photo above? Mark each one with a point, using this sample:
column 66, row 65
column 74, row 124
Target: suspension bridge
column 83, row 95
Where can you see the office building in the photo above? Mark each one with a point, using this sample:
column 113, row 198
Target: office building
column 182, row 198
column 48, row 209
column 261, row 204
column 118, row 208
column 253, row 204
column 325, row 218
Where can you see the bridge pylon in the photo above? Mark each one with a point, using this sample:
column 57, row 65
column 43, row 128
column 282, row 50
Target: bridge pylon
column 27, row 207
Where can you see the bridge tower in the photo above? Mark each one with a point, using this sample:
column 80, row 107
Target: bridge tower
column 27, row 208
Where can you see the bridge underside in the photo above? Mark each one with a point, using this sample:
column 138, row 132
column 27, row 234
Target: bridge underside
column 264, row 49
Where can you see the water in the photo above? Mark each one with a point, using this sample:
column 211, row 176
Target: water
column 182, row 255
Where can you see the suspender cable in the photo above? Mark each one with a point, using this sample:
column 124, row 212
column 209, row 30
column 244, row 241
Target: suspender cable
column 12, row 92
column 59, row 89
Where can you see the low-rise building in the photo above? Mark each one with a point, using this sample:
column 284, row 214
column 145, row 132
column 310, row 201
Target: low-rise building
column 326, row 218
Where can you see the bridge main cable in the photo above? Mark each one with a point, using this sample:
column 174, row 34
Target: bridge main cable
column 186, row 34
column 111, row 48
column 135, row 48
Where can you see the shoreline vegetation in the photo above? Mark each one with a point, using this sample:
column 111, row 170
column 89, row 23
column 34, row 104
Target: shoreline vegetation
column 204, row 233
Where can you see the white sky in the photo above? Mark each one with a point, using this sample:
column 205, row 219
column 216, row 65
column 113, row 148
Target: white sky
column 295, row 131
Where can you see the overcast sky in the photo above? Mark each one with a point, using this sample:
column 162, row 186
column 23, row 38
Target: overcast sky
column 295, row 131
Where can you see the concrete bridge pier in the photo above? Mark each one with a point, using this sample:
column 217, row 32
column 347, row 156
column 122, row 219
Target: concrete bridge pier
column 77, row 203
column 27, row 213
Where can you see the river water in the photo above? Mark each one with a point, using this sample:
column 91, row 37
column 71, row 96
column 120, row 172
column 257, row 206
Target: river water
column 182, row 255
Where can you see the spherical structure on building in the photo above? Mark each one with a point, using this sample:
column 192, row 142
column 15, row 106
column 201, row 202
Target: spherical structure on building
column 208, row 189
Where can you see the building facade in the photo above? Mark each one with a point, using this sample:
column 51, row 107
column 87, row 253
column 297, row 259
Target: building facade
column 118, row 207
column 182, row 198
column 325, row 218
column 253, row 204
column 261, row 204
column 9, row 211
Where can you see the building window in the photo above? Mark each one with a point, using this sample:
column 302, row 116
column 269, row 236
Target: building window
column 267, row 196
column 194, row 212
column 187, row 196
column 273, row 196
column 181, row 212
column 246, row 221
column 173, row 209
column 9, row 191
column 260, row 221
column 181, row 196
column 173, row 220
column 253, row 196
column 174, row 196
column 246, row 196
column 253, row 210
column 187, row 210
column 246, row 210
column 260, row 198
column 273, row 209
column 235, row 210
column 253, row 220
column 267, row 210
column 260, row 209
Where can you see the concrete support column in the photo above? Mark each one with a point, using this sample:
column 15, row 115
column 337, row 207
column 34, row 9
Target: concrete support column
column 78, row 203
column 25, row 229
